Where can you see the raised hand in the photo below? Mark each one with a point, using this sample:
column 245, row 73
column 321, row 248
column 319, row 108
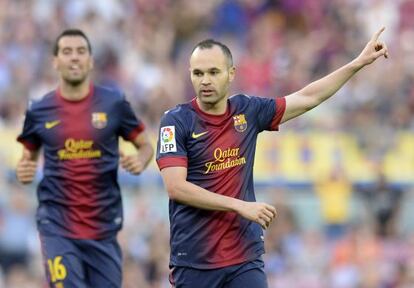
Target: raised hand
column 260, row 213
column 131, row 163
column 26, row 168
column 374, row 49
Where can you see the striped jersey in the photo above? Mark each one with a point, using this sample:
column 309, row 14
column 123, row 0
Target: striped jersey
column 79, row 196
column 218, row 152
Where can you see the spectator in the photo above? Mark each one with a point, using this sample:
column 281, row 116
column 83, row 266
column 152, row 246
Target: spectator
column 334, row 193
column 384, row 201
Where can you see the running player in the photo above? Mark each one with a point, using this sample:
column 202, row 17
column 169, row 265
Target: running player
column 80, row 209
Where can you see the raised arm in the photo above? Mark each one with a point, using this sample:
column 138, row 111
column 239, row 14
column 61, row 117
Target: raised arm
column 318, row 91
column 184, row 192
column 136, row 163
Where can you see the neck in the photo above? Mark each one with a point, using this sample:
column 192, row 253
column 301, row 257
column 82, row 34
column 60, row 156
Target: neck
column 74, row 93
column 218, row 108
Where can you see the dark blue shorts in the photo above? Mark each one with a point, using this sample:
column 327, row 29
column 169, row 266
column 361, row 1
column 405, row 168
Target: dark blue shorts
column 82, row 263
column 245, row 275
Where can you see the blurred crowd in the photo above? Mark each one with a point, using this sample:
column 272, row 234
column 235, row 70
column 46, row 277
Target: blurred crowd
column 142, row 47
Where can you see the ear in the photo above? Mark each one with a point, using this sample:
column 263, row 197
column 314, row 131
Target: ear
column 92, row 64
column 232, row 73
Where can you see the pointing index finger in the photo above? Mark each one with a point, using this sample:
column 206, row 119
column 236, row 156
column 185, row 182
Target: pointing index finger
column 377, row 34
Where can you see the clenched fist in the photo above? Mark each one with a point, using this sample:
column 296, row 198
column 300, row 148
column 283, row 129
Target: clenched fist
column 26, row 168
column 131, row 163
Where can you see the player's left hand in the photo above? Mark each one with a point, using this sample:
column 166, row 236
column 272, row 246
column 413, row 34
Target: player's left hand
column 374, row 49
column 131, row 163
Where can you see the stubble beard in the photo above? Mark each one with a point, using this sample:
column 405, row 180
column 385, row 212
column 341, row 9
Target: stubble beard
column 212, row 101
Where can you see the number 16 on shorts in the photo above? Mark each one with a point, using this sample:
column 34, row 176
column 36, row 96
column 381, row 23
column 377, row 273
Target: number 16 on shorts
column 57, row 270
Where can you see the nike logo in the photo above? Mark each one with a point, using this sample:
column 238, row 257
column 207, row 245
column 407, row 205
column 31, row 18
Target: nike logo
column 195, row 136
column 51, row 124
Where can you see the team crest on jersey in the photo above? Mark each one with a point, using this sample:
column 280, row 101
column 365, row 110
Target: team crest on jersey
column 167, row 139
column 240, row 123
column 99, row 120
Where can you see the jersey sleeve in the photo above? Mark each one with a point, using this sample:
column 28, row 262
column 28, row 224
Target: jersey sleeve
column 171, row 148
column 269, row 112
column 29, row 137
column 130, row 125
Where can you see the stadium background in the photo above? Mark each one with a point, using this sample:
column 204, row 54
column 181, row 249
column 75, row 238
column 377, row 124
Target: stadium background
column 316, row 170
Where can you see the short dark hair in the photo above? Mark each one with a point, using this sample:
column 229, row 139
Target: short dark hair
column 209, row 43
column 71, row 32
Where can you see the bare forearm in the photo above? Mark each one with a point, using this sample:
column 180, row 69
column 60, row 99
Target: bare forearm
column 327, row 86
column 146, row 152
column 193, row 195
column 318, row 91
column 184, row 192
column 324, row 88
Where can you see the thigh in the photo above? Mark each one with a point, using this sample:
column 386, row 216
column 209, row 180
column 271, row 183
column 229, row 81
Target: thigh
column 62, row 262
column 185, row 277
column 247, row 275
column 103, row 260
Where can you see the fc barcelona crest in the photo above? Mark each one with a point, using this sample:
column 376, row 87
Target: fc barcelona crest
column 240, row 123
column 99, row 120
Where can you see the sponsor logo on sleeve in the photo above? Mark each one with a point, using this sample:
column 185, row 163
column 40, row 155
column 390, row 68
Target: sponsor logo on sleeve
column 167, row 139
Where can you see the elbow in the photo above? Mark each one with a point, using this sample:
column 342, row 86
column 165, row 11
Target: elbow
column 173, row 190
column 175, row 182
column 311, row 103
column 172, row 193
column 311, row 98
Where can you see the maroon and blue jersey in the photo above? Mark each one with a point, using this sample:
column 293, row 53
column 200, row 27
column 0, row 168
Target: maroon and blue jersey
column 218, row 152
column 79, row 196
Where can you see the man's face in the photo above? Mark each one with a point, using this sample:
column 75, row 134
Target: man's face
column 211, row 75
column 73, row 61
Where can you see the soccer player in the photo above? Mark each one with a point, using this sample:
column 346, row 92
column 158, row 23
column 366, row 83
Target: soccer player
column 80, row 209
column 206, row 154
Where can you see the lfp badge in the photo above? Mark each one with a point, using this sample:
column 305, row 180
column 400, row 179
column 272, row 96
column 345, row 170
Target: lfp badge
column 167, row 139
column 240, row 123
column 99, row 120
